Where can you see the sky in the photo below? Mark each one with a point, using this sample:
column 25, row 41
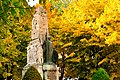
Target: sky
column 32, row 2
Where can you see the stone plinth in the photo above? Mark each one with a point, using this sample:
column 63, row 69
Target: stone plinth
column 50, row 72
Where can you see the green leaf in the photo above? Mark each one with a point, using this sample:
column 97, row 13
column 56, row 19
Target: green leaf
column 1, row 58
column 5, row 74
column 0, row 64
column 1, row 23
column 16, row 3
column 12, row 11
column 87, row 58
column 22, row 11
column 67, row 44
column 7, row 2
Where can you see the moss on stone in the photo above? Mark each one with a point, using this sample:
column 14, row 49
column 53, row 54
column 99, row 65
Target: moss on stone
column 32, row 74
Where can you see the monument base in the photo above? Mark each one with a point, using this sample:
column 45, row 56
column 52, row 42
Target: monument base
column 50, row 72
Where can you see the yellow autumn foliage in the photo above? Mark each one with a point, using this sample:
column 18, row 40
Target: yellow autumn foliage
column 92, row 23
column 102, row 61
column 74, row 60
column 97, row 18
column 72, row 54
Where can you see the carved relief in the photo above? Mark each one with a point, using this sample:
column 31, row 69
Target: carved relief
column 39, row 30
column 39, row 25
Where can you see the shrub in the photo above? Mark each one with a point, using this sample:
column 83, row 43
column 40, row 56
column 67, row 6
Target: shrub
column 101, row 74
column 32, row 74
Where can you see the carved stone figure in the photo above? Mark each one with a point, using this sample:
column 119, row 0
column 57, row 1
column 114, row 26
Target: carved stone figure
column 50, row 54
column 54, row 56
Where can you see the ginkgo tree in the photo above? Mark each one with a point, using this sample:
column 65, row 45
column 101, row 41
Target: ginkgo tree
column 88, row 31
column 15, row 24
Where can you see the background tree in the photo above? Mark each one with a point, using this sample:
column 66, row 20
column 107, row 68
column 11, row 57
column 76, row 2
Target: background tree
column 15, row 23
column 88, row 32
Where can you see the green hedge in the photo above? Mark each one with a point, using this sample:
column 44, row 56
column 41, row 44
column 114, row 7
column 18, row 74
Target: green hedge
column 32, row 74
column 101, row 74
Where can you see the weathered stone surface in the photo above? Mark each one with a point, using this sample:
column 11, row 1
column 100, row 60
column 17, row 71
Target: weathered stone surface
column 35, row 55
column 39, row 25
column 51, row 75
column 35, row 52
column 50, row 72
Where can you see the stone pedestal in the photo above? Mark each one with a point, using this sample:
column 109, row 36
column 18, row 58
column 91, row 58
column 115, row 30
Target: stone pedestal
column 50, row 72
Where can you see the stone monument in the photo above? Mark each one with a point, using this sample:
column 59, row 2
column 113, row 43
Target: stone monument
column 40, row 52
